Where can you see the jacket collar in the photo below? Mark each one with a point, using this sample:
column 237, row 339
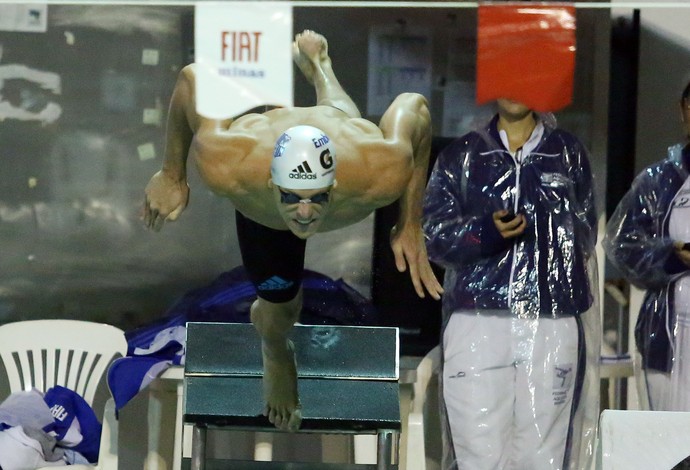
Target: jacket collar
column 532, row 142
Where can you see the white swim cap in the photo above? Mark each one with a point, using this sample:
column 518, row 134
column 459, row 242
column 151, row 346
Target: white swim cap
column 303, row 158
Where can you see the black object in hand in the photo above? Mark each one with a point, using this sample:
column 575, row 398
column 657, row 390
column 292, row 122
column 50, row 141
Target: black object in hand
column 686, row 246
column 508, row 217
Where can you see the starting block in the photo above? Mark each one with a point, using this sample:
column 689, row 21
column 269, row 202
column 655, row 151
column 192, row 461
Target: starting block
column 347, row 382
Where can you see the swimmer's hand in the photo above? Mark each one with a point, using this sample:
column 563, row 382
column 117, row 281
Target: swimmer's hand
column 166, row 197
column 410, row 250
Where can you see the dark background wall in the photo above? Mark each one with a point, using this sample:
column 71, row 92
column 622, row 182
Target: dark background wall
column 72, row 245
column 663, row 73
column 70, row 192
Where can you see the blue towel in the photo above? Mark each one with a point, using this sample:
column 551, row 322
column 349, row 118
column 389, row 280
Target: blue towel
column 75, row 423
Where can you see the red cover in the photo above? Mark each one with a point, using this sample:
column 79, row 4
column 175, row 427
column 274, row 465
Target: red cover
column 526, row 52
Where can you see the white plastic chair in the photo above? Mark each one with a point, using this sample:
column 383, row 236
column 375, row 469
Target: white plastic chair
column 428, row 369
column 72, row 353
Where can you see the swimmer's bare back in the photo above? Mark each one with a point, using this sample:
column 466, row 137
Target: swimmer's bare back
column 235, row 163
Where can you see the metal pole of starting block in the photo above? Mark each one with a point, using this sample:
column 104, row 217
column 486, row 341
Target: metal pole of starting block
column 199, row 448
column 385, row 447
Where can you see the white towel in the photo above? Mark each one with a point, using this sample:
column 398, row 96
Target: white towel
column 20, row 452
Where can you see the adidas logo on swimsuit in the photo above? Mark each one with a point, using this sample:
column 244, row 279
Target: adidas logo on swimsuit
column 303, row 172
column 275, row 283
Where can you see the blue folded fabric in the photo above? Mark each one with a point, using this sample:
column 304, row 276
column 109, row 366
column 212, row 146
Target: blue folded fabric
column 128, row 375
column 75, row 424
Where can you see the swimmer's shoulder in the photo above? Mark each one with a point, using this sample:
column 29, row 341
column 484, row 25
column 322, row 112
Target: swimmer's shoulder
column 363, row 126
column 250, row 119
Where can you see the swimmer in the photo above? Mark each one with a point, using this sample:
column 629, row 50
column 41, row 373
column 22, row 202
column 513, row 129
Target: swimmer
column 291, row 173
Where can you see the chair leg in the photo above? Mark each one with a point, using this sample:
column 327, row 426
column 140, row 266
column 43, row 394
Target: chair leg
column 156, row 429
column 107, row 454
column 414, row 449
column 179, row 427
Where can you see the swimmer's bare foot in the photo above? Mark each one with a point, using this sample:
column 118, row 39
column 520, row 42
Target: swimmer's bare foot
column 280, row 386
column 309, row 50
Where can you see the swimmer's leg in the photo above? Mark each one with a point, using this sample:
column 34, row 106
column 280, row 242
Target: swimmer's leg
column 310, row 53
column 274, row 321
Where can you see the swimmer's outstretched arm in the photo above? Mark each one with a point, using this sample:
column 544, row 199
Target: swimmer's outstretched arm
column 408, row 122
column 167, row 193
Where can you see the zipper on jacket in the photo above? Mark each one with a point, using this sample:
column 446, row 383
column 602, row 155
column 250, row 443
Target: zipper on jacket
column 517, row 159
column 665, row 229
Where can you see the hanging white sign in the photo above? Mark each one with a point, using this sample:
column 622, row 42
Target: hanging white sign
column 243, row 56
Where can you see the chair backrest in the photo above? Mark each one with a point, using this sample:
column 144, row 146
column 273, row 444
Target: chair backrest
column 72, row 353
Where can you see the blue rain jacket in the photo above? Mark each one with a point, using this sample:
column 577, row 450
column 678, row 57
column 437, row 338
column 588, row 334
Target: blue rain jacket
column 637, row 242
column 543, row 272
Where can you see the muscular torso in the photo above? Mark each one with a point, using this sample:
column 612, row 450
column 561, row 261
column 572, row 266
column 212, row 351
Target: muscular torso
column 234, row 161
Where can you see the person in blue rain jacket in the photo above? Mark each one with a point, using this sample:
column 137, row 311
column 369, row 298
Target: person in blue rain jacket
column 646, row 240
column 510, row 214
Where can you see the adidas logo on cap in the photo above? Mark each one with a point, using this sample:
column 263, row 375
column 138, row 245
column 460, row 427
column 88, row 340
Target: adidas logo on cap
column 302, row 172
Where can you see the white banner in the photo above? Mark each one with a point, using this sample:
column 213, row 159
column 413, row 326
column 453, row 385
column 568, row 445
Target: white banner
column 243, row 56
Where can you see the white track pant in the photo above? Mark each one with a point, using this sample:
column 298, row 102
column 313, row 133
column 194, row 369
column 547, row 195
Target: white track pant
column 508, row 388
column 671, row 391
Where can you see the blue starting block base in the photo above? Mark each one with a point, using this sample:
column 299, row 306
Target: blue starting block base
column 347, row 381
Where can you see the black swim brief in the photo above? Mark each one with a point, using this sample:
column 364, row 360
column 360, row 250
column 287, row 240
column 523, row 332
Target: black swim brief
column 273, row 259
